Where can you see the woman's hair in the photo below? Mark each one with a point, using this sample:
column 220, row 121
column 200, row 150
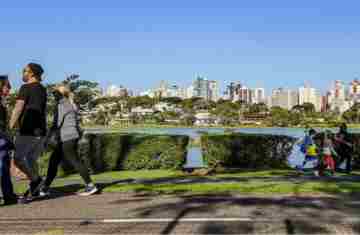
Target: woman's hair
column 4, row 81
column 66, row 92
column 37, row 70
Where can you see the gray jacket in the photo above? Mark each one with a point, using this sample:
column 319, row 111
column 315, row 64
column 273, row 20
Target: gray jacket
column 69, row 126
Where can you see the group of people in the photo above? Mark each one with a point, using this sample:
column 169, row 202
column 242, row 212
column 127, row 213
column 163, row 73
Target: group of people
column 29, row 119
column 325, row 152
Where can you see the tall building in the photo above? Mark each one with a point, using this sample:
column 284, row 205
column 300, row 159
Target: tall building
column 310, row 95
column 116, row 91
column 283, row 98
column 339, row 90
column 232, row 91
column 214, row 90
column 258, row 95
column 354, row 91
column 243, row 95
column 205, row 89
column 337, row 98
column 325, row 105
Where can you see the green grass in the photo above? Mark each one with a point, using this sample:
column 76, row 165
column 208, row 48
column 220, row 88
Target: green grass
column 256, row 187
column 254, row 183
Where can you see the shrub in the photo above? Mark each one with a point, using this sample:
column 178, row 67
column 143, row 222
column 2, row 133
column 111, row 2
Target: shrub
column 246, row 150
column 156, row 152
column 109, row 152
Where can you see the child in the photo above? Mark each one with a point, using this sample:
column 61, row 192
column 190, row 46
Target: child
column 309, row 148
column 328, row 153
column 6, row 145
column 66, row 129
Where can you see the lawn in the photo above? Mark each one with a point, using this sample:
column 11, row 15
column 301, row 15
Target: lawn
column 247, row 182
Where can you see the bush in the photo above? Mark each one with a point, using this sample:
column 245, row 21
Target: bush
column 156, row 152
column 246, row 150
column 109, row 152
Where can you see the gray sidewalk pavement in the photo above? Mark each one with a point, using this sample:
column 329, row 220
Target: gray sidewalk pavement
column 121, row 213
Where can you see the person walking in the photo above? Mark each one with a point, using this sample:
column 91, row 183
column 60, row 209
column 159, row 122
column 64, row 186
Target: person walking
column 29, row 115
column 6, row 145
column 66, row 131
column 345, row 147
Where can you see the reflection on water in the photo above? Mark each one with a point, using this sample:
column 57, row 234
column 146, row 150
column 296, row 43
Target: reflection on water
column 194, row 158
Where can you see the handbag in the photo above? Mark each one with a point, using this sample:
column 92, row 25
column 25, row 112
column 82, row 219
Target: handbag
column 52, row 139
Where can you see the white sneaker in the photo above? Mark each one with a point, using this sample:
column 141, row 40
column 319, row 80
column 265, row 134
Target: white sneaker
column 89, row 190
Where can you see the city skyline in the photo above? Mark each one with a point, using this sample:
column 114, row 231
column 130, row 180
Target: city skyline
column 136, row 44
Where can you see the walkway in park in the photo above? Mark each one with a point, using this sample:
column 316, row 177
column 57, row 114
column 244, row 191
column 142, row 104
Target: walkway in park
column 111, row 213
column 140, row 213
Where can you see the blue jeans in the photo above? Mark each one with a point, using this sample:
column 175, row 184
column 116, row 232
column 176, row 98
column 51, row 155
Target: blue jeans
column 6, row 184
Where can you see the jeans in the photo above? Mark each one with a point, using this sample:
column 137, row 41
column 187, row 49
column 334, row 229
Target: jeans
column 67, row 150
column 6, row 184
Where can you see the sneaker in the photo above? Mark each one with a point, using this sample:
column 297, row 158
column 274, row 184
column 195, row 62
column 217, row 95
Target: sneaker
column 89, row 190
column 35, row 187
column 44, row 192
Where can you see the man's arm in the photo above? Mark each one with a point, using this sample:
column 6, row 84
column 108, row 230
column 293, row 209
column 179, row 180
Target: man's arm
column 19, row 106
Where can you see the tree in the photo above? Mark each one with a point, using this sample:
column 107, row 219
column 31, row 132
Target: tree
column 227, row 112
column 279, row 116
column 307, row 108
column 172, row 100
column 258, row 108
column 353, row 114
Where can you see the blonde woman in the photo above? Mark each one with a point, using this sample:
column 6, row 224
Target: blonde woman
column 67, row 132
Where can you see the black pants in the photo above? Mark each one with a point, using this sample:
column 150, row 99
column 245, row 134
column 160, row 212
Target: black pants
column 6, row 184
column 66, row 150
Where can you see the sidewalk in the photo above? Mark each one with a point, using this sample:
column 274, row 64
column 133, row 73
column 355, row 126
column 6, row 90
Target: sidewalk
column 133, row 213
column 153, row 211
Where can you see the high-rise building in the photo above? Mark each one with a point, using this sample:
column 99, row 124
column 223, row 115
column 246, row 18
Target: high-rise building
column 190, row 92
column 339, row 90
column 258, row 95
column 354, row 91
column 213, row 90
column 205, row 89
column 232, row 91
column 337, row 98
column 116, row 91
column 325, row 105
column 283, row 98
column 310, row 95
column 243, row 95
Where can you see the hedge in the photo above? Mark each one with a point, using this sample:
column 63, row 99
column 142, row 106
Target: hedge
column 258, row 150
column 250, row 151
column 109, row 152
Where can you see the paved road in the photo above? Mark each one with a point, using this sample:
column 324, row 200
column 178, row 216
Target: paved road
column 114, row 213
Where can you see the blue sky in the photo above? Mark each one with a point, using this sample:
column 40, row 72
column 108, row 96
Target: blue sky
column 138, row 43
